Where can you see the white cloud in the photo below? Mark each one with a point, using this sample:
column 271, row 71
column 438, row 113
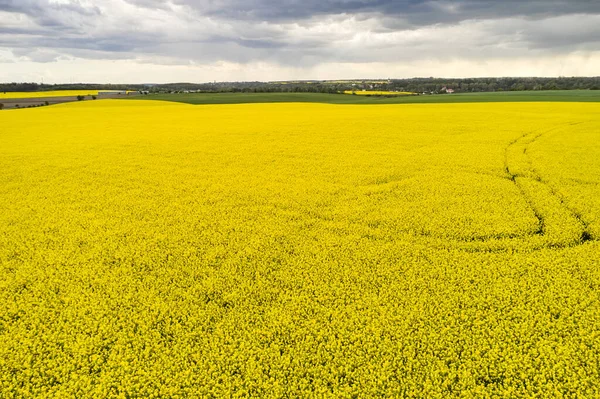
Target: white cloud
column 160, row 41
column 106, row 71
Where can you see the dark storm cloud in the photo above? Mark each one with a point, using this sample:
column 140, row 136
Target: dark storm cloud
column 417, row 11
column 48, row 13
column 295, row 32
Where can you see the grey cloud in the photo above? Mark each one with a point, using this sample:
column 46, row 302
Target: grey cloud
column 300, row 33
column 69, row 45
column 38, row 55
column 155, row 4
column 416, row 11
column 569, row 31
column 49, row 14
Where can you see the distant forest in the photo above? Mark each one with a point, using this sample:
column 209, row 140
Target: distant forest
column 416, row 85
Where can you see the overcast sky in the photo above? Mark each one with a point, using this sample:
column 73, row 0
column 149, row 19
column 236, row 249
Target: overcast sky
column 154, row 41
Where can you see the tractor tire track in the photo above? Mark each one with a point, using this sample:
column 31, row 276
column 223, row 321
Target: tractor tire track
column 558, row 223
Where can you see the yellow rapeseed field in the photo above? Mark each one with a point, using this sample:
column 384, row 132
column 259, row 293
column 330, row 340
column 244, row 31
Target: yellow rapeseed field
column 152, row 249
column 54, row 93
column 47, row 94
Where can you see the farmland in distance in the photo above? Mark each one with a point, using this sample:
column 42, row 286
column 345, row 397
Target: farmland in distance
column 154, row 248
column 47, row 94
column 458, row 98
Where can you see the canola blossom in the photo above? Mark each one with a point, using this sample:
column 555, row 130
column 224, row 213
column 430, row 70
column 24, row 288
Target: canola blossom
column 47, row 94
column 152, row 249
column 55, row 93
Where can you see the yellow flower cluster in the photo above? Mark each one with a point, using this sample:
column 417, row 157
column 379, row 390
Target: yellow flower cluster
column 47, row 94
column 54, row 93
column 153, row 249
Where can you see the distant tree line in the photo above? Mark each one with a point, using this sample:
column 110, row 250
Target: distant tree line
column 428, row 85
column 417, row 85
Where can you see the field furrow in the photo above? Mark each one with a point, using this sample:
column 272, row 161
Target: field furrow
column 559, row 225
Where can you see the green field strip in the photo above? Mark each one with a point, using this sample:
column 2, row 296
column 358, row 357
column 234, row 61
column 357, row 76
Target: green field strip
column 245, row 98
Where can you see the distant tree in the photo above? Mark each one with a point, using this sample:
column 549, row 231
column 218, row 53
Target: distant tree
column 46, row 103
column 94, row 97
column 80, row 98
column 1, row 106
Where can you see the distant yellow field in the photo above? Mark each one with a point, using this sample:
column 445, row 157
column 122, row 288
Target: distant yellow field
column 43, row 94
column 164, row 250
column 378, row 93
